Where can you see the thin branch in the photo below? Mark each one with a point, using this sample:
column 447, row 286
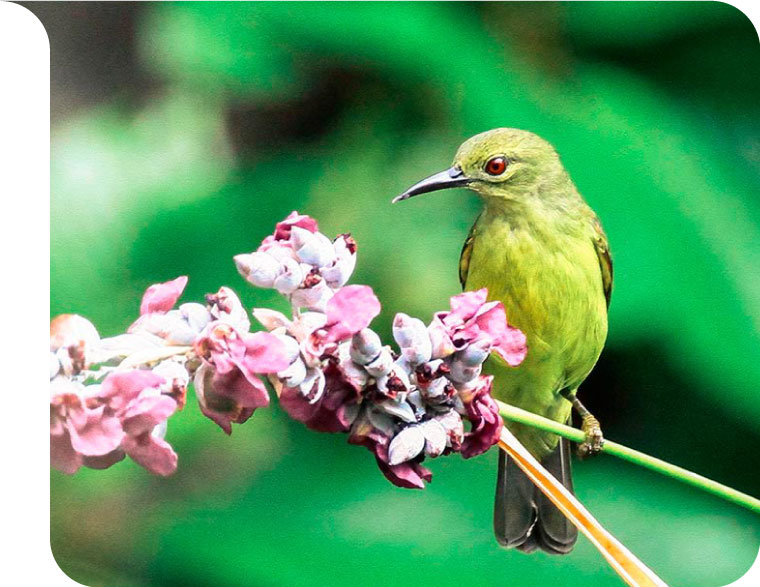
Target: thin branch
column 515, row 414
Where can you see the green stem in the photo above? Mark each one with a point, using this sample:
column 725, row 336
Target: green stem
column 638, row 458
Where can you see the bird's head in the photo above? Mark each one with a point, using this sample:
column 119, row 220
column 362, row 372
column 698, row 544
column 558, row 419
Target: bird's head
column 503, row 163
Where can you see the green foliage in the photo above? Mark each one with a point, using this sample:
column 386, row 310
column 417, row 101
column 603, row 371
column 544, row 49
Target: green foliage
column 256, row 109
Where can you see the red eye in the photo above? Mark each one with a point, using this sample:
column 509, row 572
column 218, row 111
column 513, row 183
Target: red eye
column 496, row 166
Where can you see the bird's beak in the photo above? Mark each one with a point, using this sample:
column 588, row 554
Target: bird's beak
column 451, row 178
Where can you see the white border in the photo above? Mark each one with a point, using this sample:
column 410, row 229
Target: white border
column 24, row 230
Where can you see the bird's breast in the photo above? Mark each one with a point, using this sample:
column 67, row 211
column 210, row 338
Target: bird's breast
column 550, row 284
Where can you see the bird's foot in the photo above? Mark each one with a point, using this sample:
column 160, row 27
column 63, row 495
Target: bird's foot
column 594, row 441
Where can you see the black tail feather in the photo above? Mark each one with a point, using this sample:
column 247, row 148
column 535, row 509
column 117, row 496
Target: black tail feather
column 523, row 517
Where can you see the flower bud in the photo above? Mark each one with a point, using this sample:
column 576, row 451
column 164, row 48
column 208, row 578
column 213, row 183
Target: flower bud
column 313, row 385
column 381, row 421
column 225, row 306
column 462, row 373
column 290, row 277
column 279, row 251
column 413, row 339
column 399, row 409
column 259, row 269
column 452, row 424
column 380, row 365
column 365, row 346
column 270, row 319
column 196, row 315
column 354, row 374
column 294, row 375
column 314, row 297
column 435, row 437
column 406, row 445
column 337, row 274
column 435, row 388
column 474, row 354
column 313, row 248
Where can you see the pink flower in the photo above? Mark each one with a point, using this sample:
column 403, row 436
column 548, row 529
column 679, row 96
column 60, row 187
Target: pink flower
column 350, row 310
column 136, row 398
column 161, row 297
column 483, row 413
column 79, row 435
column 473, row 319
column 227, row 384
column 282, row 229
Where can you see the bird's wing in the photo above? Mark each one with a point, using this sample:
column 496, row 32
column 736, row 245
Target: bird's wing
column 464, row 258
column 602, row 247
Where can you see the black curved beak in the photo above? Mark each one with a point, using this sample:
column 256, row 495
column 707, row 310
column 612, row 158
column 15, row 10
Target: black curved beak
column 451, row 178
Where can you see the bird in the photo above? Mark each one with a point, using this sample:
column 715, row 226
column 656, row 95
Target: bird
column 541, row 250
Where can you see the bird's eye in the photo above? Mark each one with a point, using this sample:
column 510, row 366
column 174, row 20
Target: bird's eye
column 496, row 166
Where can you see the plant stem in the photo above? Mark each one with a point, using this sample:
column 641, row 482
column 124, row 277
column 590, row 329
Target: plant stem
column 638, row 458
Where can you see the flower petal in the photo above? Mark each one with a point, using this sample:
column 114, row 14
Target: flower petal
column 63, row 457
column 161, row 297
column 350, row 310
column 96, row 433
column 265, row 353
column 151, row 452
column 145, row 413
column 283, row 228
column 120, row 388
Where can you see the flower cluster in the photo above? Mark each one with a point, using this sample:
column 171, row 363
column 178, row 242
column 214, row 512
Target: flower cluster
column 427, row 398
column 402, row 405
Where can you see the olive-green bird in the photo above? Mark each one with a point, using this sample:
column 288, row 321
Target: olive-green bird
column 541, row 251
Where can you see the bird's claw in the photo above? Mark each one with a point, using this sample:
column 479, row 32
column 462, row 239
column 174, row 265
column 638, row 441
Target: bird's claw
column 594, row 441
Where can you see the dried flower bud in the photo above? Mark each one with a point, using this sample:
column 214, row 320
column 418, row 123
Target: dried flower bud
column 365, row 346
column 406, row 445
column 435, row 437
column 313, row 248
column 259, row 269
column 290, row 277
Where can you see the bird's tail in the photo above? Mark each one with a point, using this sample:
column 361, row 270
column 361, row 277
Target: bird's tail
column 523, row 516
column 622, row 560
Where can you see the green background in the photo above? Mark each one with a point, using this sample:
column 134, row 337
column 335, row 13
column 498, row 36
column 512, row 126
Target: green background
column 182, row 132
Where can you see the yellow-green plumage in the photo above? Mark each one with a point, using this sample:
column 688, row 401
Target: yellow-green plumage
column 541, row 251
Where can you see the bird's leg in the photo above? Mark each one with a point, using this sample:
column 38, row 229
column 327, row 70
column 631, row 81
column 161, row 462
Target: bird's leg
column 590, row 426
